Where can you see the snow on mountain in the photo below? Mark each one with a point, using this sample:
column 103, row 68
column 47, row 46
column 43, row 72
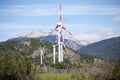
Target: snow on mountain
column 81, row 42
column 33, row 34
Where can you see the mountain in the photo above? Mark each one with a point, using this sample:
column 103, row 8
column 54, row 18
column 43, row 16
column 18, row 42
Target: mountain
column 108, row 49
column 70, row 42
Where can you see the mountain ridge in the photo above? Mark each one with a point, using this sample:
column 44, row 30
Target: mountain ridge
column 72, row 43
column 108, row 49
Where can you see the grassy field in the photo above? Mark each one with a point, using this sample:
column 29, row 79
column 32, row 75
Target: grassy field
column 58, row 76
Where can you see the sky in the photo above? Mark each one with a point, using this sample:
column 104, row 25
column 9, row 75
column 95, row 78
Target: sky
column 89, row 20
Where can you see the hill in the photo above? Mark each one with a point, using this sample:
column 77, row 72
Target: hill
column 108, row 49
column 32, row 47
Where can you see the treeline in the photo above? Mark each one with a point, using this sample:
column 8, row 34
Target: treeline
column 16, row 67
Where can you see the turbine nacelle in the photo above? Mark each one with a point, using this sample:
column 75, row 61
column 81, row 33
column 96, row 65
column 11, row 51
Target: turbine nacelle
column 59, row 24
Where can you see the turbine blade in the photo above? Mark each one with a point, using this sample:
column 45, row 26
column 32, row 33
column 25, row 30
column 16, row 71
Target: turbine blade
column 60, row 12
column 56, row 27
column 65, row 48
column 70, row 33
column 63, row 27
column 50, row 32
column 53, row 30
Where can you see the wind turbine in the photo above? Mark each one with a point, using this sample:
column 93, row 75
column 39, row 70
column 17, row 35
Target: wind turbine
column 41, row 56
column 59, row 28
column 61, row 47
column 54, row 53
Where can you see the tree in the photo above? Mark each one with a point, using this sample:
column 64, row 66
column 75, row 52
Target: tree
column 16, row 67
column 116, row 72
column 58, row 65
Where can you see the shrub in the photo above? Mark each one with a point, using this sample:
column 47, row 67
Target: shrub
column 59, row 65
column 116, row 72
column 81, row 75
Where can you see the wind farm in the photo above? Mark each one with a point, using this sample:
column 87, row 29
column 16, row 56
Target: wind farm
column 59, row 40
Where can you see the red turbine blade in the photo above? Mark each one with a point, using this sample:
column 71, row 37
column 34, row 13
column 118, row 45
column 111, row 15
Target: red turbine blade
column 60, row 13
column 51, row 32
column 69, row 32
column 56, row 27
column 63, row 27
column 60, row 17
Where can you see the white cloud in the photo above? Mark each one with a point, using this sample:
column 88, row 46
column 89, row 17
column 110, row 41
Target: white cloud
column 19, row 27
column 8, row 30
column 98, row 35
column 117, row 18
column 41, row 10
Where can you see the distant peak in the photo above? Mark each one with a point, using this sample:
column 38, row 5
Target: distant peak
column 37, row 31
column 33, row 34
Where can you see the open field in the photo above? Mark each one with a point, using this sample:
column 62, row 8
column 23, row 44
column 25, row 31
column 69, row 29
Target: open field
column 51, row 76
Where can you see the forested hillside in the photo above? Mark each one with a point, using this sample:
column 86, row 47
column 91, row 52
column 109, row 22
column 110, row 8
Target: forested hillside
column 108, row 49
column 32, row 49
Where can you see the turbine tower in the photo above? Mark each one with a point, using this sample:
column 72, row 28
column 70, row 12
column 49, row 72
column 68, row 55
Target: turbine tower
column 59, row 28
column 54, row 53
column 41, row 56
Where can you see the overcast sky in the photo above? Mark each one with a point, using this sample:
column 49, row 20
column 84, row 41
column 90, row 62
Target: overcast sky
column 90, row 20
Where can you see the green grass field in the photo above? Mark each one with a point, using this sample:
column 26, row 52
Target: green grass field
column 50, row 76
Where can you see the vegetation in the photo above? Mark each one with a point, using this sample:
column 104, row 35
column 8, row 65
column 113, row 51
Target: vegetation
column 17, row 63
column 59, row 65
column 16, row 67
column 81, row 75
column 108, row 49
column 116, row 72
column 50, row 76
column 28, row 47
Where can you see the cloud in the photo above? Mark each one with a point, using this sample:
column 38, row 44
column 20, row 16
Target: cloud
column 29, row 10
column 11, row 30
column 98, row 35
column 21, row 27
column 117, row 18
column 43, row 10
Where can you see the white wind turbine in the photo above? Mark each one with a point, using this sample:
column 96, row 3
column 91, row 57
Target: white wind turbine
column 54, row 53
column 59, row 28
column 41, row 56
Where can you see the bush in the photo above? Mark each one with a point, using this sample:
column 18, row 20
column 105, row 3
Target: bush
column 81, row 75
column 116, row 72
column 16, row 67
column 59, row 65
